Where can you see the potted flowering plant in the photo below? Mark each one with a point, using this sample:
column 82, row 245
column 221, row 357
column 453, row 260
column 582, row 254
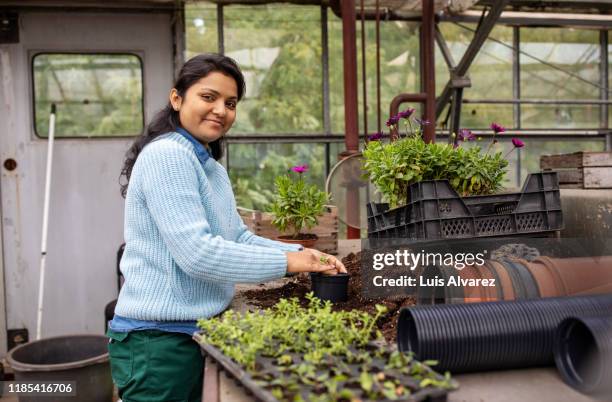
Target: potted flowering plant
column 297, row 206
column 393, row 166
column 444, row 191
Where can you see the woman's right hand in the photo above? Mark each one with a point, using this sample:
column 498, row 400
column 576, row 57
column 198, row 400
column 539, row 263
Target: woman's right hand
column 310, row 260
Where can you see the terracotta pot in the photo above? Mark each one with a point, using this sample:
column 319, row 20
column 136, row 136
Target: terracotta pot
column 474, row 294
column 580, row 274
column 599, row 290
column 308, row 241
column 525, row 284
column 504, row 279
column 549, row 282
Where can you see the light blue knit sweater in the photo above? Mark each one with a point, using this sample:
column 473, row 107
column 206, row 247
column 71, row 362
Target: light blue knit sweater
column 186, row 245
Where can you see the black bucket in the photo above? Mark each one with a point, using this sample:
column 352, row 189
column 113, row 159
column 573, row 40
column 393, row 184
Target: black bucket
column 82, row 359
column 583, row 354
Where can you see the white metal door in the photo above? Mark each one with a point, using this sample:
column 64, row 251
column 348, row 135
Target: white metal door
column 86, row 209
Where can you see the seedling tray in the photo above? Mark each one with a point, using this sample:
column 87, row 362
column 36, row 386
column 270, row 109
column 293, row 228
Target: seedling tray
column 271, row 374
column 436, row 212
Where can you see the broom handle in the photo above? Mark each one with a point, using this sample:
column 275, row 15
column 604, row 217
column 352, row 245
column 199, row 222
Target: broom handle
column 43, row 251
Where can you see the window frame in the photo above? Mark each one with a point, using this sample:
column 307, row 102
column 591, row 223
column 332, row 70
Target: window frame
column 37, row 53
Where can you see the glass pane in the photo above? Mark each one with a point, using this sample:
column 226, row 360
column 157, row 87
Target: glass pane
column 559, row 63
column 254, row 167
column 200, row 29
column 96, row 95
column 279, row 50
column 399, row 67
column 490, row 74
column 560, row 116
column 480, row 116
column 336, row 74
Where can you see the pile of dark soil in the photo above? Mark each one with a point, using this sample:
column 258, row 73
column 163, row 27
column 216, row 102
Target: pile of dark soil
column 300, row 285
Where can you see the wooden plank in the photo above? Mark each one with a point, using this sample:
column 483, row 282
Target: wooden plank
column 260, row 223
column 210, row 388
column 597, row 159
column 597, row 177
column 561, row 161
column 570, row 176
column 570, row 185
column 576, row 160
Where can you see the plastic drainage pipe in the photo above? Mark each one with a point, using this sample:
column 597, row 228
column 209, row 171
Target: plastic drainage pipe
column 491, row 335
column 583, row 354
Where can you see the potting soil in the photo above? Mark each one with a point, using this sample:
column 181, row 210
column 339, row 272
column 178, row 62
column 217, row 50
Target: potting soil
column 300, row 285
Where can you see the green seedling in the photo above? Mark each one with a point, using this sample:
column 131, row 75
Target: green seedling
column 314, row 348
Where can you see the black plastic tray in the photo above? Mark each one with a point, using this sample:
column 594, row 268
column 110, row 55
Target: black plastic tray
column 435, row 211
column 259, row 393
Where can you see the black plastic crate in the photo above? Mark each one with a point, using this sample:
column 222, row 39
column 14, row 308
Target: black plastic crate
column 435, row 211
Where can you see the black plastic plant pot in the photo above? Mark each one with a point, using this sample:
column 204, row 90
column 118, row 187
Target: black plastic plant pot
column 583, row 354
column 499, row 335
column 330, row 287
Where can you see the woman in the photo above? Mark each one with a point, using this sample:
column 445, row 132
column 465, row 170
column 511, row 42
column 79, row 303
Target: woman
column 186, row 245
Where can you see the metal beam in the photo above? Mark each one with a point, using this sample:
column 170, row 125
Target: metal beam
column 349, row 51
column 178, row 37
column 351, row 125
column 530, row 18
column 285, row 139
column 446, row 53
column 480, row 36
column 541, row 101
column 428, row 72
column 455, row 115
column 516, row 93
column 325, row 85
column 337, row 138
column 603, row 82
column 220, row 31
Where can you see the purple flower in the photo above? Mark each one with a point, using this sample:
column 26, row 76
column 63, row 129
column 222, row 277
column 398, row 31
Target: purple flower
column 497, row 128
column 466, row 135
column 420, row 122
column 300, row 168
column 405, row 114
column 393, row 121
column 375, row 136
column 517, row 143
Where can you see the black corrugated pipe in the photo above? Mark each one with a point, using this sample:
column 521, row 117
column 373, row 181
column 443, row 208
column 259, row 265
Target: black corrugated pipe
column 491, row 335
column 583, row 354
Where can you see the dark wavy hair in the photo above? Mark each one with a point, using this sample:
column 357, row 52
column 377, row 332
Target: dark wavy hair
column 167, row 119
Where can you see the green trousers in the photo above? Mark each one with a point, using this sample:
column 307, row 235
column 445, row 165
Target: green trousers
column 151, row 366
